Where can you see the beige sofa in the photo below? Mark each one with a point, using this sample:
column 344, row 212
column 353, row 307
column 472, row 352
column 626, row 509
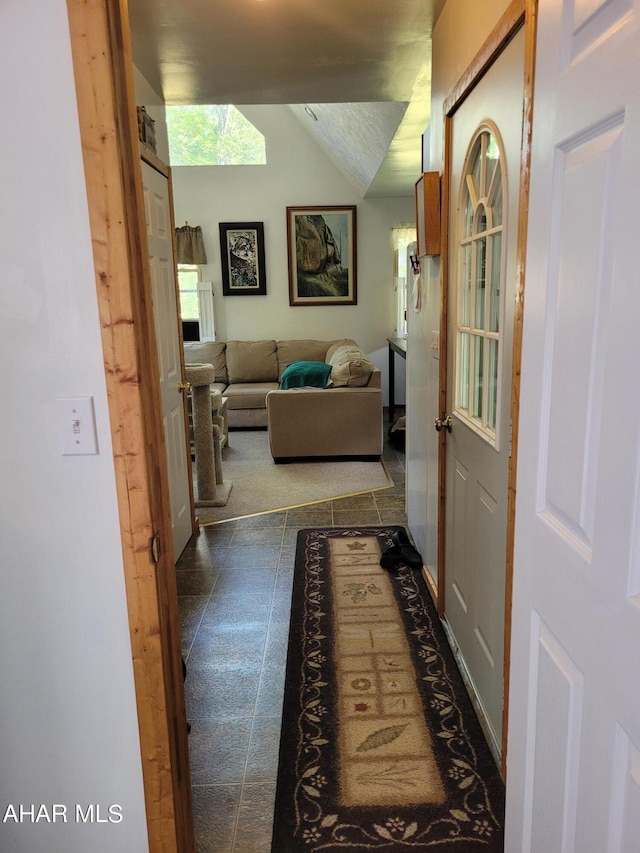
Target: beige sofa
column 333, row 421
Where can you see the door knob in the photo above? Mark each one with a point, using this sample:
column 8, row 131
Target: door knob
column 443, row 423
column 184, row 386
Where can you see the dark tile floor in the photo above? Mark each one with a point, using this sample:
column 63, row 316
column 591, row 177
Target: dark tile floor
column 234, row 587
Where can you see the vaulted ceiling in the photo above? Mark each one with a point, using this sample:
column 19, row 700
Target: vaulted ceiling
column 363, row 67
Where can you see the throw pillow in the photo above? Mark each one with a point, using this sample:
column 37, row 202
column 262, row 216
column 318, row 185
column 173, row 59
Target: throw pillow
column 300, row 374
column 349, row 343
column 350, row 367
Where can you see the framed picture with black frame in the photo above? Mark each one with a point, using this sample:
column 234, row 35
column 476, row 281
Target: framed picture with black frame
column 242, row 256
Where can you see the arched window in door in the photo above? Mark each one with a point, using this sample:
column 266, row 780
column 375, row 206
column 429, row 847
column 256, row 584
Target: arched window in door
column 479, row 283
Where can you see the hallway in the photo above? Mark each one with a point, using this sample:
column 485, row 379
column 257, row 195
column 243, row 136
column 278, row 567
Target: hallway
column 234, row 587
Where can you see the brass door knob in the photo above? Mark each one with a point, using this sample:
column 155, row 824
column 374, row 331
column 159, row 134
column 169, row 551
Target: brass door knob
column 443, row 423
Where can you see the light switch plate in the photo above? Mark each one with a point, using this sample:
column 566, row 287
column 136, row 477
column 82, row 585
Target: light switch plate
column 77, row 426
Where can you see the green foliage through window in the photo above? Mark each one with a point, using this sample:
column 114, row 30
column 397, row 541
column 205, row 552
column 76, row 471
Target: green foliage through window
column 188, row 278
column 213, row 135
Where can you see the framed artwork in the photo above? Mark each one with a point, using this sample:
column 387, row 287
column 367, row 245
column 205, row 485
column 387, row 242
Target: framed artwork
column 321, row 243
column 242, row 254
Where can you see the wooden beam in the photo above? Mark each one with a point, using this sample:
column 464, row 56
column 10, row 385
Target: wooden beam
column 108, row 126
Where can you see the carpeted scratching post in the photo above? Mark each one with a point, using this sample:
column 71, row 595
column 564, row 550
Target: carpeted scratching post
column 211, row 488
column 218, row 434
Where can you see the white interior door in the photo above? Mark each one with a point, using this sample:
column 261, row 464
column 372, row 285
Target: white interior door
column 573, row 763
column 484, row 187
column 165, row 312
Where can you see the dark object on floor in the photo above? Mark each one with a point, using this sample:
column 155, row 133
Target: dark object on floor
column 380, row 748
column 401, row 553
column 397, row 433
column 184, row 677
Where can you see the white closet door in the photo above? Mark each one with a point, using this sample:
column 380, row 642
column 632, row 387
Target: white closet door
column 165, row 312
column 573, row 772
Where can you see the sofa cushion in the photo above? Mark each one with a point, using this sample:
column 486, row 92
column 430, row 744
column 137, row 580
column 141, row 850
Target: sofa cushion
column 350, row 367
column 303, row 350
column 252, row 361
column 248, row 395
column 208, row 352
column 305, row 374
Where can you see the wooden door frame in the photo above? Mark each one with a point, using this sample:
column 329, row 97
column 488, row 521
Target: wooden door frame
column 103, row 71
column 519, row 14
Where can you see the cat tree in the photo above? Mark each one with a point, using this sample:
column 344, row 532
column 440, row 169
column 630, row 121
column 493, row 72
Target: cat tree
column 212, row 489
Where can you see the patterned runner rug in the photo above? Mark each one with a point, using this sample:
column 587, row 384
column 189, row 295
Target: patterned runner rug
column 380, row 747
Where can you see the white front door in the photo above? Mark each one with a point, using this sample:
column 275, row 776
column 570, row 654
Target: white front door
column 484, row 187
column 573, row 761
column 165, row 313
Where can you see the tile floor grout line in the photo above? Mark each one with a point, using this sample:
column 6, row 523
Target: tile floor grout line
column 243, row 781
column 254, row 716
column 236, row 822
column 204, row 610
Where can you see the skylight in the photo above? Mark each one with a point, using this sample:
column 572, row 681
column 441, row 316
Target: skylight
column 213, row 135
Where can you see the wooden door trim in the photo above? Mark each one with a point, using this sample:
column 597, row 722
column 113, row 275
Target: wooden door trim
column 519, row 14
column 531, row 27
column 152, row 159
column 101, row 53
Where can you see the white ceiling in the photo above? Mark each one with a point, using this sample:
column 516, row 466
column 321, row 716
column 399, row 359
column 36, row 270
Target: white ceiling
column 363, row 66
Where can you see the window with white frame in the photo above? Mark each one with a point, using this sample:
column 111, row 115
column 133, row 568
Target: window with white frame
column 196, row 304
column 188, row 278
column 401, row 238
column 479, row 283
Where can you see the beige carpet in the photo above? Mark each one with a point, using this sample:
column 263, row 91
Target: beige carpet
column 259, row 485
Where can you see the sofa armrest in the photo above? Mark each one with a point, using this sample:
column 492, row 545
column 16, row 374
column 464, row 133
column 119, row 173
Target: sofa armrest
column 325, row 422
column 375, row 380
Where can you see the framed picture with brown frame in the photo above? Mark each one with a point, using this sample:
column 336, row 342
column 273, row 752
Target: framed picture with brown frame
column 321, row 243
column 242, row 255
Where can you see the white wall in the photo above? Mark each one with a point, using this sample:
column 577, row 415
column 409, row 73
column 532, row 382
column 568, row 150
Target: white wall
column 460, row 32
column 422, row 409
column 297, row 173
column 68, row 727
